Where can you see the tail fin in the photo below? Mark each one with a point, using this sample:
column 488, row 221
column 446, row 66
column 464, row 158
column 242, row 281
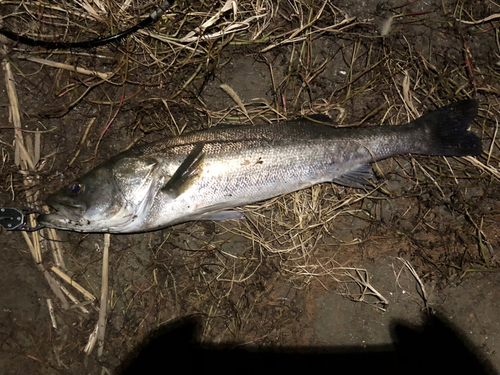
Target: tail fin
column 446, row 130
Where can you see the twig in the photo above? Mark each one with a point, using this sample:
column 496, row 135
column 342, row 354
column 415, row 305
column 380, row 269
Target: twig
column 421, row 289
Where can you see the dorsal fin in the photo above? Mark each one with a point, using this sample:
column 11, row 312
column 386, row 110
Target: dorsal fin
column 321, row 118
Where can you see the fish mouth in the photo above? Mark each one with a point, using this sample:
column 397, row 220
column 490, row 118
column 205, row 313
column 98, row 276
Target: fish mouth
column 54, row 220
column 63, row 217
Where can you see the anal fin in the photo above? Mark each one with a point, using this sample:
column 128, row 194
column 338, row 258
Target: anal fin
column 223, row 215
column 356, row 178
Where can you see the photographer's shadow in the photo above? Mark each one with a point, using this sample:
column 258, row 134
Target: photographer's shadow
column 434, row 348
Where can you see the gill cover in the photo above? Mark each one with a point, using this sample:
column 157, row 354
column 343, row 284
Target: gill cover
column 109, row 197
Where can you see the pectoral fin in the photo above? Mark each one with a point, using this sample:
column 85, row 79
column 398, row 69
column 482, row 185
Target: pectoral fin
column 356, row 178
column 187, row 172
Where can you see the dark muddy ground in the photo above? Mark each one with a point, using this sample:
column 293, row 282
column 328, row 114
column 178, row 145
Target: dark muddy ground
column 326, row 267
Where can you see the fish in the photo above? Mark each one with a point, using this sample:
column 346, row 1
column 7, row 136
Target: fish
column 206, row 174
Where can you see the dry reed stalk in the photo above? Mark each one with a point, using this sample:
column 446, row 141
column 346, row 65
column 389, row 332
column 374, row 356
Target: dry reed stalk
column 54, row 286
column 76, row 302
column 101, row 323
column 35, row 253
column 488, row 168
column 232, row 28
column 51, row 313
column 73, row 283
column 22, row 159
column 89, row 347
column 95, row 14
column 236, row 98
column 54, row 244
column 38, row 147
column 71, row 68
column 229, row 5
column 14, row 116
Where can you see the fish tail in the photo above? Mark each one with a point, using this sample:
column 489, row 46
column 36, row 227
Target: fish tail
column 445, row 131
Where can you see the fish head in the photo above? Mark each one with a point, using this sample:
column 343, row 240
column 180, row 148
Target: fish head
column 110, row 198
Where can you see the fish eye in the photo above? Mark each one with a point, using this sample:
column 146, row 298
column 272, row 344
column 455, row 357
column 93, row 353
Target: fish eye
column 76, row 188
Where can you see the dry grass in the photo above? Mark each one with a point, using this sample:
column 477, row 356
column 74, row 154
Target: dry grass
column 319, row 59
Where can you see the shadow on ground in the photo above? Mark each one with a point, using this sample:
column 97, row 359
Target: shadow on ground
column 436, row 347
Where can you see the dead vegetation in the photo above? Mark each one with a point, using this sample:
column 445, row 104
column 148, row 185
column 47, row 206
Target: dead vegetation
column 439, row 213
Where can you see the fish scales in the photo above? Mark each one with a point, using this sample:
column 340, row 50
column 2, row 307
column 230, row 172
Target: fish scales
column 256, row 163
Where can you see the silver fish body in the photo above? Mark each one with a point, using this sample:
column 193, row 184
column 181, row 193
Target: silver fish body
column 200, row 175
